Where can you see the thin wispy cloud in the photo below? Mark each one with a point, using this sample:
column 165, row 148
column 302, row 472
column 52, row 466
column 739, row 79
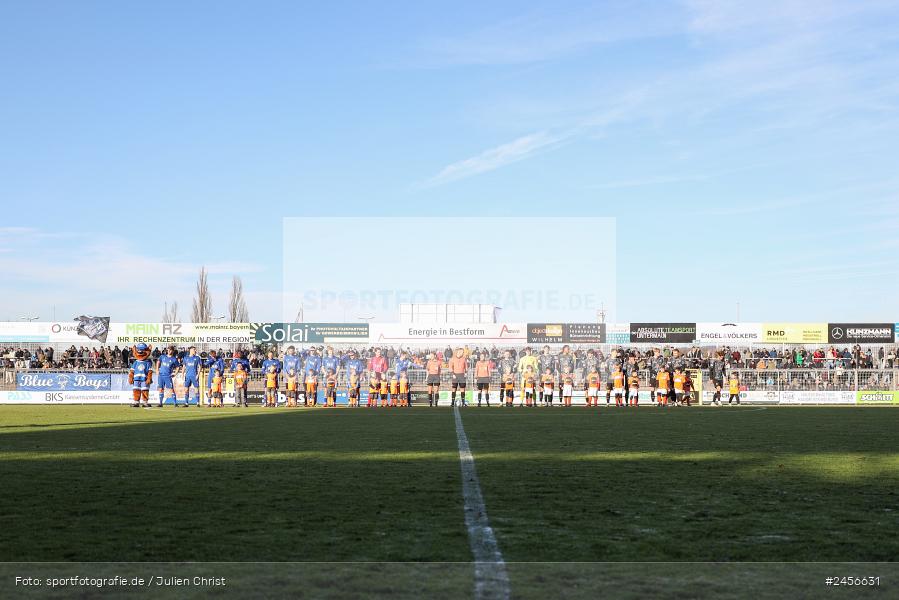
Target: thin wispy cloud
column 498, row 156
column 649, row 181
column 836, row 268
column 549, row 34
column 102, row 274
column 756, row 206
column 666, row 179
column 639, row 109
column 532, row 144
column 753, row 207
column 784, row 67
column 859, row 273
column 727, row 16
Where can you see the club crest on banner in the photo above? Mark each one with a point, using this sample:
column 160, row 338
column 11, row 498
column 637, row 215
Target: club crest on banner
column 95, row 328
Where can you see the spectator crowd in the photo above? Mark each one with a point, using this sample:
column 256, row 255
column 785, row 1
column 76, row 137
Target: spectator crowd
column 787, row 368
column 578, row 360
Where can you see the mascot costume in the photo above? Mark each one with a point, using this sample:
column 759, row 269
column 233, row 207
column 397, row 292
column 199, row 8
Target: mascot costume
column 141, row 374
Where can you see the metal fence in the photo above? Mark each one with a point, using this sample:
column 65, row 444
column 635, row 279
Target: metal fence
column 818, row 380
column 750, row 379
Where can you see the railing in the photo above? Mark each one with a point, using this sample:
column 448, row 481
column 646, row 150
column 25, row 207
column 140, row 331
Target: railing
column 750, row 379
column 818, row 380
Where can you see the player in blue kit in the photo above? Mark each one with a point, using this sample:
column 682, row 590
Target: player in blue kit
column 354, row 366
column 313, row 363
column 330, row 363
column 165, row 367
column 238, row 361
column 191, row 365
column 291, row 360
column 239, row 358
column 140, row 376
column 403, row 364
column 272, row 365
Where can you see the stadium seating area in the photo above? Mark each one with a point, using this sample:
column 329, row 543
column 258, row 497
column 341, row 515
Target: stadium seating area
column 788, row 368
column 760, row 358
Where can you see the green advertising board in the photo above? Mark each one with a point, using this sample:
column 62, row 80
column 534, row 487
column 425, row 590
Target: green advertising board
column 877, row 397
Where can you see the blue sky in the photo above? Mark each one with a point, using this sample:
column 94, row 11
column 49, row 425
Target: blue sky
column 747, row 152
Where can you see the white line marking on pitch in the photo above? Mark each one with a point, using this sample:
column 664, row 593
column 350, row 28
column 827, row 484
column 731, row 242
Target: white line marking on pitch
column 490, row 577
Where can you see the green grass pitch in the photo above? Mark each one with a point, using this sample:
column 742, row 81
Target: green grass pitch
column 338, row 485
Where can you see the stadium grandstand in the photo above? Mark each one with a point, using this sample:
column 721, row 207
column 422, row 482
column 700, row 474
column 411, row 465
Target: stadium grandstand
column 439, row 358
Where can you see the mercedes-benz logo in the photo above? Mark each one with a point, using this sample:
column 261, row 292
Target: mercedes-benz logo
column 837, row 333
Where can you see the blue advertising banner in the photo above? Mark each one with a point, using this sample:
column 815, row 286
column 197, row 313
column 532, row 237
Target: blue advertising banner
column 118, row 382
column 257, row 397
column 342, row 398
column 63, row 382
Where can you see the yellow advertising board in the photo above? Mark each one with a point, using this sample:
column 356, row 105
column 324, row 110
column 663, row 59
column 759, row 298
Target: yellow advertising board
column 696, row 376
column 794, row 333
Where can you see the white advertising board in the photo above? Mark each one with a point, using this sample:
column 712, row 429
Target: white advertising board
column 440, row 334
column 728, row 334
column 87, row 397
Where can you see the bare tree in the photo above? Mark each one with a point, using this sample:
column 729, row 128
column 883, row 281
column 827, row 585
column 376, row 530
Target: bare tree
column 202, row 308
column 237, row 305
column 171, row 313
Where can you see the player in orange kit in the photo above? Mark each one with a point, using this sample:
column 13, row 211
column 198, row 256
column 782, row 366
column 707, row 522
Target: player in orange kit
column 271, row 387
column 394, row 391
column 292, row 388
column 508, row 388
column 373, row 387
column 678, row 387
column 216, row 388
column 240, row 385
column 311, row 388
column 482, row 377
column 591, row 387
column 662, row 381
column 384, row 391
column 352, row 391
column 547, row 387
column 458, row 364
column 688, row 388
column 529, row 383
column 633, row 389
column 618, row 385
column 404, row 389
column 331, row 388
column 433, row 367
column 567, row 385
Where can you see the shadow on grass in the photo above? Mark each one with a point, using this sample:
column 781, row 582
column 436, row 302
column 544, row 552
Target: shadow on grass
column 158, row 491
column 778, row 485
column 384, row 485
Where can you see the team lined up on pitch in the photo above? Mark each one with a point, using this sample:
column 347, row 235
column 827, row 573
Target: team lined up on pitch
column 671, row 385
